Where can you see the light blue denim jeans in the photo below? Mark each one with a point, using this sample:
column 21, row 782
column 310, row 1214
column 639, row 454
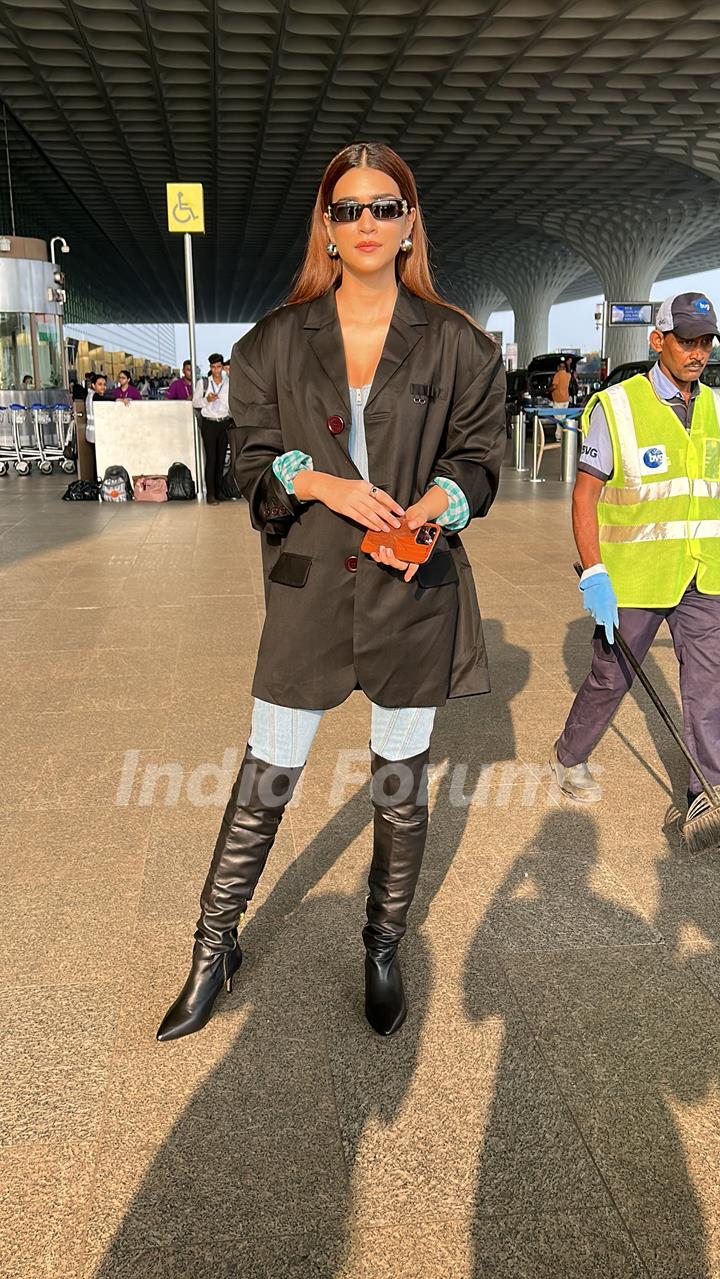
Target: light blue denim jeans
column 283, row 735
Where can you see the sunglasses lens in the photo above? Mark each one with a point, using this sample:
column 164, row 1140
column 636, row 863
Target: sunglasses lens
column 384, row 210
column 347, row 212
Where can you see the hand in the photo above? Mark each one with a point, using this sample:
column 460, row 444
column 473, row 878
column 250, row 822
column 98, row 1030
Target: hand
column 600, row 601
column 211, row 396
column 433, row 503
column 385, row 556
column 358, row 500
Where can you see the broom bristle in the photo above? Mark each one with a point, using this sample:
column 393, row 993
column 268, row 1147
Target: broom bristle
column 701, row 828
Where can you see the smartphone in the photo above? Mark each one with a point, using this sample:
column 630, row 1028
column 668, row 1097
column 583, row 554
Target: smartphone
column 413, row 546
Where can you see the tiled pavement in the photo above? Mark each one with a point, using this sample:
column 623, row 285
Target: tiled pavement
column 551, row 1107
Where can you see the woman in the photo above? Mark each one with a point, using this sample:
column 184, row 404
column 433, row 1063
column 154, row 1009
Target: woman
column 364, row 399
column 125, row 390
column 211, row 402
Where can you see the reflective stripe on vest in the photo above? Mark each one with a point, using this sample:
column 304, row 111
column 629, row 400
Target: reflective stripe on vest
column 661, row 489
column 667, row 531
column 626, row 435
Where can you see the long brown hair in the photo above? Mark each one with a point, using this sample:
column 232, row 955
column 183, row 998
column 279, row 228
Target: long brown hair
column 319, row 272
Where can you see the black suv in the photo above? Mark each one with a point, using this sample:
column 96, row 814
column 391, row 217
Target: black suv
column 529, row 386
column 710, row 377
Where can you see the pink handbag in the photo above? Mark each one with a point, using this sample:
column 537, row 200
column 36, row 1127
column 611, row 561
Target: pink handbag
column 150, row 488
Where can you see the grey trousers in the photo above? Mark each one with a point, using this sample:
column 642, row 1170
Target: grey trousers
column 695, row 628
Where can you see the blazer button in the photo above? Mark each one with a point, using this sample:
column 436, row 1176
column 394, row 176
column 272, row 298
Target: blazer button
column 351, row 563
column 335, row 425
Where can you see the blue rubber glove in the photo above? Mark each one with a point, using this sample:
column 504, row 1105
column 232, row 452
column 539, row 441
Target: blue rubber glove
column 600, row 601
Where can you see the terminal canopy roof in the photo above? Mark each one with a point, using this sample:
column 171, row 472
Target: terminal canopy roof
column 528, row 123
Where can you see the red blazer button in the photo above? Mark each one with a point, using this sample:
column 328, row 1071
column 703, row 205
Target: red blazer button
column 335, row 425
column 351, row 563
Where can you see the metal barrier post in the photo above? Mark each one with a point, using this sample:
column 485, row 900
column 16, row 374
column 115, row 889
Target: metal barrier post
column 569, row 453
column 190, row 298
column 534, row 477
column 519, row 432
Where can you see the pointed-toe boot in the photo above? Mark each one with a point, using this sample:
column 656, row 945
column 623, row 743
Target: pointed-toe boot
column 193, row 1007
column 255, row 809
column 399, row 796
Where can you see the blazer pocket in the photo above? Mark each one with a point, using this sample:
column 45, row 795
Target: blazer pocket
column 291, row 570
column 439, row 570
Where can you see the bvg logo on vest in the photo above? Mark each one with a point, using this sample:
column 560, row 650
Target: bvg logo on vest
column 653, row 460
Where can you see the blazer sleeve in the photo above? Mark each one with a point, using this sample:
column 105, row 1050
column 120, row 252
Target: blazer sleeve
column 254, row 410
column 475, row 437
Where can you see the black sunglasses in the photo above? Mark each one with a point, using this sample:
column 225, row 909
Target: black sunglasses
column 383, row 210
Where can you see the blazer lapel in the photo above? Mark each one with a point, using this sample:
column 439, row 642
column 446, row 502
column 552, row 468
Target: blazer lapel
column 406, row 330
column 325, row 339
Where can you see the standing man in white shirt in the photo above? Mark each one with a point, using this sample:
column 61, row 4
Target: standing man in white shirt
column 211, row 400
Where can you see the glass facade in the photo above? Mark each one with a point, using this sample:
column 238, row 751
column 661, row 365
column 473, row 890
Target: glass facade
column 21, row 334
column 32, row 359
column 16, row 351
column 49, row 351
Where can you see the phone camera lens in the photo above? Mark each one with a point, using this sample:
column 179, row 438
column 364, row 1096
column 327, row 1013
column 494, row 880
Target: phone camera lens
column 425, row 536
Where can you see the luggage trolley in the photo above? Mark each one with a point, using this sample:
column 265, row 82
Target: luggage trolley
column 43, row 453
column 7, row 441
column 22, row 438
column 38, row 434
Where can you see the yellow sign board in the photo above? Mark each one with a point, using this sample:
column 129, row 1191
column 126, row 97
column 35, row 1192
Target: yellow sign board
column 185, row 207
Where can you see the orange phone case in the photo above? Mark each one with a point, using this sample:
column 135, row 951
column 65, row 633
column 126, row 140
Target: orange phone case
column 403, row 542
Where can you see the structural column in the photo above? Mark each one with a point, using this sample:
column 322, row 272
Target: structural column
column 488, row 298
column 532, row 274
column 478, row 296
column 629, row 249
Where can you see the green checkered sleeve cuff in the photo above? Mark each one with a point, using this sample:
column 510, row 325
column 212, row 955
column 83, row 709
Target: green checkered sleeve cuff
column 457, row 514
column 287, row 466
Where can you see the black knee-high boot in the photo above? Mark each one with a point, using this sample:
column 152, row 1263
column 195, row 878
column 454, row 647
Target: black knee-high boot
column 249, row 826
column 399, row 796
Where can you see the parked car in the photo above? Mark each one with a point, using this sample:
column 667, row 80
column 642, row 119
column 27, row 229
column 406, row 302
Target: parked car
column 621, row 373
column 529, row 386
column 542, row 369
column 517, row 395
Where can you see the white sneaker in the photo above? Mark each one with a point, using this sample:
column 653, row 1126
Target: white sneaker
column 577, row 782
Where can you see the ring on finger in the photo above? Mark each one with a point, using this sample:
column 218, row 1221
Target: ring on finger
column 373, row 489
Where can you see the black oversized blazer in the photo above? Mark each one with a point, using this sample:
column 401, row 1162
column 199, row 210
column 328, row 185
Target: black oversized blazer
column 336, row 620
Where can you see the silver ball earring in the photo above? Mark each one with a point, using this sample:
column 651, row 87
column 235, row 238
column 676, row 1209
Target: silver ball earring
column 332, row 250
column 406, row 245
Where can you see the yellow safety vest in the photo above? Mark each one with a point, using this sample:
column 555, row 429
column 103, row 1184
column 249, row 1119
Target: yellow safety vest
column 659, row 515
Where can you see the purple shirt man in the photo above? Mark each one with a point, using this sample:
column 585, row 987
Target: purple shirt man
column 182, row 388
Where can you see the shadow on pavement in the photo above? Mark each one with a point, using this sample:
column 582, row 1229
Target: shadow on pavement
column 583, row 1169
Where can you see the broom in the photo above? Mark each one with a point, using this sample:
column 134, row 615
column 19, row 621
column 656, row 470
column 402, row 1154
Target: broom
column 701, row 828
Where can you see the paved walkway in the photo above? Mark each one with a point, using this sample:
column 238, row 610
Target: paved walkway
column 551, row 1107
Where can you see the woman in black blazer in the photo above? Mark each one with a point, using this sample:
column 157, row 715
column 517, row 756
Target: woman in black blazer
column 364, row 400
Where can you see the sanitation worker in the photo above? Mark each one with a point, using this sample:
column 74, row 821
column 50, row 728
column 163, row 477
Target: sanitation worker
column 646, row 519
